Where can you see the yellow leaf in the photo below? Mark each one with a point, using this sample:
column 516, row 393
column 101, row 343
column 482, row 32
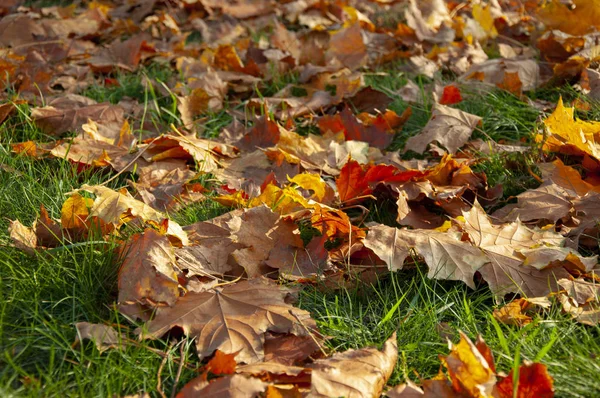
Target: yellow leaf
column 577, row 20
column 286, row 199
column 469, row 370
column 483, row 15
column 233, row 200
column 566, row 133
column 75, row 211
column 312, row 182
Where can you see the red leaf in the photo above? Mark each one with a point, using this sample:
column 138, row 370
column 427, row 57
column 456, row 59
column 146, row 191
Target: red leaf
column 534, row 381
column 451, row 95
column 351, row 182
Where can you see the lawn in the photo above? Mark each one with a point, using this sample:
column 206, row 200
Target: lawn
column 46, row 291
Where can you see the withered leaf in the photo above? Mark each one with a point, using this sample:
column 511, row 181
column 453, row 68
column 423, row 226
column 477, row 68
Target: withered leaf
column 232, row 319
column 448, row 126
column 103, row 336
column 147, row 274
column 230, row 386
column 70, row 112
column 354, row 373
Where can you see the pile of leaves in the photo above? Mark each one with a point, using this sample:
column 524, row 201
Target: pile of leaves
column 300, row 163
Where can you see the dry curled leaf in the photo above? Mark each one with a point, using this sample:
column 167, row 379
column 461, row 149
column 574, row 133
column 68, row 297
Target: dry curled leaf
column 354, row 373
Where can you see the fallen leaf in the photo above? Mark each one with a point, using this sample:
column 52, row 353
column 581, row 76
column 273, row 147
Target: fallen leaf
column 450, row 127
column 103, row 336
column 222, row 364
column 534, row 381
column 450, row 95
column 469, row 370
column 70, row 112
column 234, row 386
column 354, row 373
column 232, row 319
column 148, row 273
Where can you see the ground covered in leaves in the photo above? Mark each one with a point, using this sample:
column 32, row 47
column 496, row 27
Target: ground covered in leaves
column 317, row 198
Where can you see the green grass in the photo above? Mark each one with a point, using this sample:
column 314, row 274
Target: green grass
column 416, row 307
column 44, row 295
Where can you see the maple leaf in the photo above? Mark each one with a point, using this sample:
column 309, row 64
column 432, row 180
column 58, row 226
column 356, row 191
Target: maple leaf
column 506, row 271
column 518, row 311
column 148, row 272
column 70, row 112
column 202, row 151
column 209, row 251
column 514, row 75
column 447, row 256
column 347, row 47
column 237, row 386
column 391, row 245
column 577, row 20
column 103, row 336
column 289, row 349
column 469, row 370
column 355, row 182
column 581, row 299
column 534, row 381
column 114, row 207
column 450, row 95
column 24, row 238
column 232, row 319
column 472, row 373
column 450, row 127
column 354, row 373
column 568, row 135
column 222, row 364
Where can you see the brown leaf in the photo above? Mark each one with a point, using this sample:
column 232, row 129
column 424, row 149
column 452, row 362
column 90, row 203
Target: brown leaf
column 234, row 386
column 147, row 275
column 70, row 112
column 347, row 47
column 450, row 127
column 114, row 207
column 103, row 336
column 390, row 244
column 506, row 271
column 408, row 390
column 210, row 251
column 514, row 75
column 289, row 349
column 232, row 319
column 160, row 184
column 204, row 152
column 222, row 364
column 354, row 373
column 264, row 134
column 580, row 290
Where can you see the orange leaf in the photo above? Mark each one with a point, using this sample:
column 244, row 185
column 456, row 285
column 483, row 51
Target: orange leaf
column 222, row 364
